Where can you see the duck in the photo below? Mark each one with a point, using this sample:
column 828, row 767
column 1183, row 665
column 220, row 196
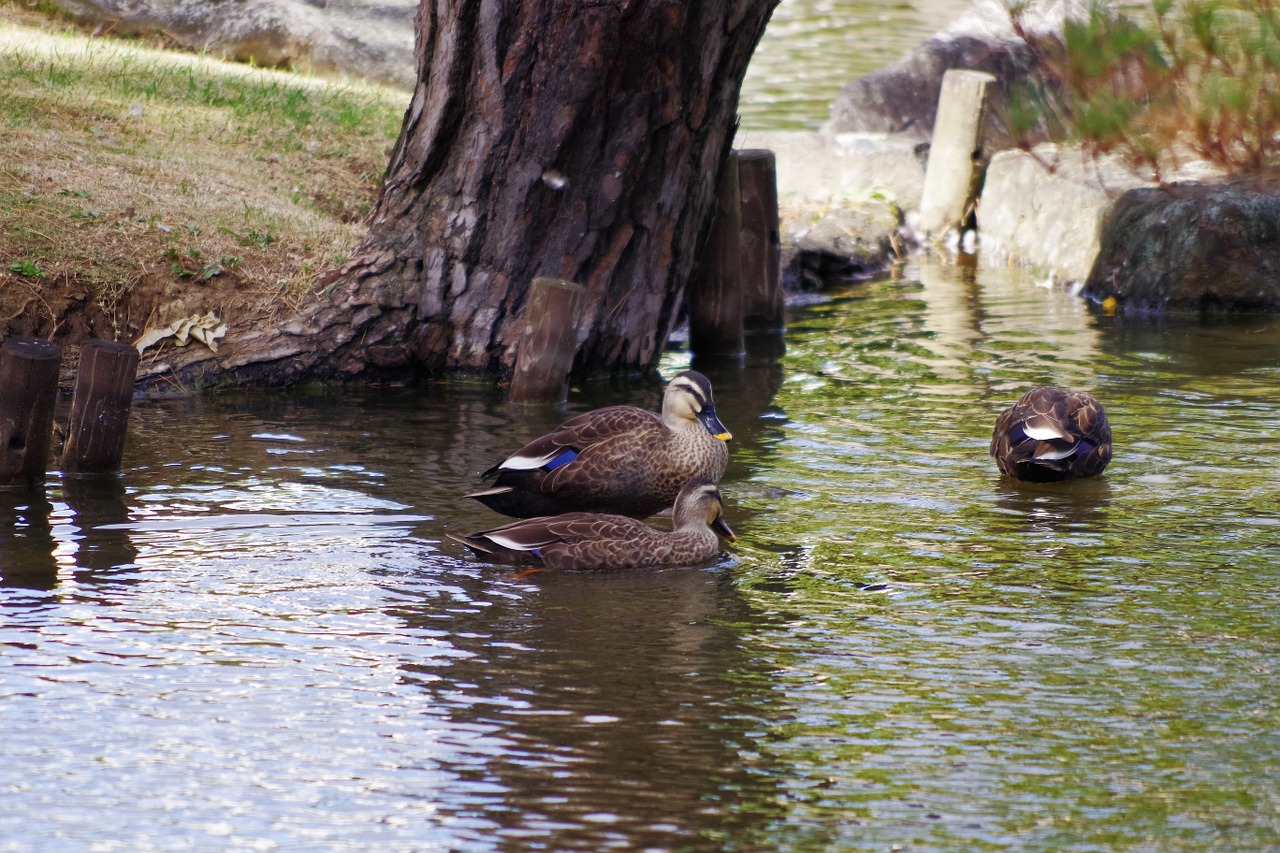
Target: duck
column 1052, row 434
column 590, row 540
column 619, row 459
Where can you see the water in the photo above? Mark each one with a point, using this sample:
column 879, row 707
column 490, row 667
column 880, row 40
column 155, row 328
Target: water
column 259, row 638
column 812, row 48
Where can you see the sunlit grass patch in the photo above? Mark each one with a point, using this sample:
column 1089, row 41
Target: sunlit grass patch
column 123, row 163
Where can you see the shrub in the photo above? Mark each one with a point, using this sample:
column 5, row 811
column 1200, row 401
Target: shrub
column 1199, row 79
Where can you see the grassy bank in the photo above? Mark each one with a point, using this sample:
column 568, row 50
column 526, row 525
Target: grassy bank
column 139, row 185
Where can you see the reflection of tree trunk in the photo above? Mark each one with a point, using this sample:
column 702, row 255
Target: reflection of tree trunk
column 576, row 142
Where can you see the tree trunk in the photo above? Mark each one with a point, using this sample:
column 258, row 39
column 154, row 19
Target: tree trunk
column 576, row 141
column 582, row 146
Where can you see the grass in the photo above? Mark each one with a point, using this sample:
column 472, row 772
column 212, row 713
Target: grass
column 129, row 171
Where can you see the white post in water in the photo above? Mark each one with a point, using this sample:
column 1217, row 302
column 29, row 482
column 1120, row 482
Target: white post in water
column 956, row 158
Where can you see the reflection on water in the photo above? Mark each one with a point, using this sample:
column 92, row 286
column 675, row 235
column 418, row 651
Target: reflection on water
column 617, row 730
column 812, row 48
column 26, row 539
column 259, row 635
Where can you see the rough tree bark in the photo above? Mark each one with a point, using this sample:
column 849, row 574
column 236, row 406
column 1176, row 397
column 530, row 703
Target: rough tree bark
column 572, row 140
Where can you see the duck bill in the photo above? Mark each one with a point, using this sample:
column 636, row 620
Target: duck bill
column 722, row 527
column 708, row 418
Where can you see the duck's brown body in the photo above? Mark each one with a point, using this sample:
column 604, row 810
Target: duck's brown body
column 620, row 459
column 1052, row 434
column 584, row 540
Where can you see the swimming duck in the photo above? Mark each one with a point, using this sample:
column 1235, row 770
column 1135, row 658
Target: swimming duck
column 1052, row 434
column 588, row 540
column 619, row 459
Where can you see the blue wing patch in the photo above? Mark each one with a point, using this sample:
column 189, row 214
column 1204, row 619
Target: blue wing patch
column 565, row 457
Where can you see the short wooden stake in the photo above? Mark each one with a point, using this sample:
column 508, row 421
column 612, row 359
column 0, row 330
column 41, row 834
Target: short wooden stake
column 28, row 391
column 761, row 242
column 100, row 408
column 550, row 342
column 715, row 292
column 956, row 157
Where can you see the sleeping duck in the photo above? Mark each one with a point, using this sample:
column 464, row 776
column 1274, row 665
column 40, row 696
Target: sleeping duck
column 619, row 459
column 588, row 540
column 1052, row 434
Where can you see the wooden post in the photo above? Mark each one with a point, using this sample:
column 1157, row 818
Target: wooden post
column 28, row 390
column 100, row 407
column 549, row 343
column 715, row 291
column 956, row 157
column 761, row 243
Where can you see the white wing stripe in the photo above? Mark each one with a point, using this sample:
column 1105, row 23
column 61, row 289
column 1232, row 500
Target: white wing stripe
column 516, row 462
column 507, row 542
column 1043, row 433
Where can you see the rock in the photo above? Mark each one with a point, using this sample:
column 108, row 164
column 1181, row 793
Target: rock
column 856, row 242
column 830, row 170
column 1191, row 246
column 1045, row 209
column 841, row 202
column 372, row 39
column 903, row 97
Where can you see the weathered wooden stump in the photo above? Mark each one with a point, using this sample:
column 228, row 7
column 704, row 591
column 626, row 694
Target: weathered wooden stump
column 956, row 156
column 715, row 291
column 761, row 242
column 549, row 343
column 28, row 391
column 100, row 407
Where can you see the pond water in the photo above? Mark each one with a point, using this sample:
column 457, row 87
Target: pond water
column 812, row 48
column 259, row 638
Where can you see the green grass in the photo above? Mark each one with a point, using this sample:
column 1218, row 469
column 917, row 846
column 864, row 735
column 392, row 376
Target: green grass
column 119, row 158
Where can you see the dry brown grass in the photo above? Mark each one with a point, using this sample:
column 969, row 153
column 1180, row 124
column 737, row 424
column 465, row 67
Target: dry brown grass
column 138, row 186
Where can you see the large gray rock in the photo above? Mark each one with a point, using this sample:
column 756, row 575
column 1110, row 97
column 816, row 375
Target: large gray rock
column 818, row 170
column 372, row 39
column 841, row 202
column 1046, row 209
column 1191, row 246
column 903, row 97
column 856, row 242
